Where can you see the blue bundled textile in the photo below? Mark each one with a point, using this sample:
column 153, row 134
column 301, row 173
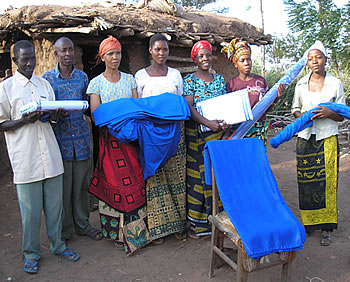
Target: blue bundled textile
column 305, row 121
column 268, row 99
column 250, row 196
column 154, row 121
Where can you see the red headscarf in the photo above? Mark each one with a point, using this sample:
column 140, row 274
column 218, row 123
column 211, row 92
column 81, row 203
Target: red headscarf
column 202, row 44
column 106, row 45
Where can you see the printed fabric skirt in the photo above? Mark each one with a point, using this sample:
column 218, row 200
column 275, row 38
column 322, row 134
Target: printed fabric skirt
column 118, row 183
column 199, row 195
column 317, row 168
column 259, row 130
column 166, row 195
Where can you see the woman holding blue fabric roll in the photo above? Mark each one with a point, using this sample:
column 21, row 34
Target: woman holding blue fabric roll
column 317, row 146
column 200, row 86
column 239, row 53
column 118, row 178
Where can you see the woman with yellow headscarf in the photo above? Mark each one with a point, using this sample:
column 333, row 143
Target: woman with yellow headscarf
column 239, row 53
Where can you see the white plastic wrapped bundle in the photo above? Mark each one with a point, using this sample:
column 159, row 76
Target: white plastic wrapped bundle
column 67, row 105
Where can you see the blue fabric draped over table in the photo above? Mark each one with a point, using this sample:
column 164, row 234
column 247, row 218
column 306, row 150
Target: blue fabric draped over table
column 250, row 196
column 261, row 107
column 154, row 121
column 305, row 121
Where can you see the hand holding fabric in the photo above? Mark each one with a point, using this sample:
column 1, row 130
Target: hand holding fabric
column 58, row 114
column 31, row 117
column 280, row 91
column 324, row 112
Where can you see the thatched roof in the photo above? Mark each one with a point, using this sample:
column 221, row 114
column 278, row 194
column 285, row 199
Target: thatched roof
column 125, row 22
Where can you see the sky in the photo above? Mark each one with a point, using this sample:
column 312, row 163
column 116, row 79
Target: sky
column 275, row 17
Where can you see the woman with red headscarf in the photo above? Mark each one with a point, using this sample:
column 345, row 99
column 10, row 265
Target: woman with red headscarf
column 118, row 178
column 200, row 86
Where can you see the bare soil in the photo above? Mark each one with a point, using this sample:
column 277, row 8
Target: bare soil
column 175, row 260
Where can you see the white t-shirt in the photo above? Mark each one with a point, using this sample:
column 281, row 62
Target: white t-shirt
column 148, row 86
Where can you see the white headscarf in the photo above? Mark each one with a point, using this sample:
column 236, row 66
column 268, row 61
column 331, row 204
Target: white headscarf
column 318, row 45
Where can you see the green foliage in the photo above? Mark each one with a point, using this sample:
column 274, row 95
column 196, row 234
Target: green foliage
column 272, row 77
column 194, row 3
column 285, row 51
column 285, row 103
column 344, row 76
column 310, row 20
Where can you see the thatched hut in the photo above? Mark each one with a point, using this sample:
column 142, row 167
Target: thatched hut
column 87, row 26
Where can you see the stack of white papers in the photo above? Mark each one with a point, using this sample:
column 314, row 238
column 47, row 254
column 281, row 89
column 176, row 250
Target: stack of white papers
column 67, row 105
column 232, row 108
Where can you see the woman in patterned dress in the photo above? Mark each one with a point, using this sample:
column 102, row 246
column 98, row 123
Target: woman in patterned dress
column 200, row 86
column 166, row 190
column 239, row 53
column 118, row 178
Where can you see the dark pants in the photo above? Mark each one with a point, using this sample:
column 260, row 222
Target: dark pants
column 76, row 212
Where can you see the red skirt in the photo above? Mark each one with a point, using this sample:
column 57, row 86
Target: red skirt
column 118, row 177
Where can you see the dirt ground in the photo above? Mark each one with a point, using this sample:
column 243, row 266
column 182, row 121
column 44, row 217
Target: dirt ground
column 186, row 260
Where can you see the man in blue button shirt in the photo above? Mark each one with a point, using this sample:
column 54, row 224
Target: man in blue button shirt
column 73, row 137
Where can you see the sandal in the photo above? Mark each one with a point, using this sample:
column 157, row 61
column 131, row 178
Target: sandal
column 325, row 239
column 181, row 235
column 158, row 241
column 69, row 255
column 31, row 266
column 193, row 235
column 118, row 245
column 94, row 234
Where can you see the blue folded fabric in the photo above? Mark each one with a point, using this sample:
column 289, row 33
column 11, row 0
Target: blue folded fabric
column 165, row 106
column 250, row 196
column 261, row 107
column 154, row 121
column 305, row 121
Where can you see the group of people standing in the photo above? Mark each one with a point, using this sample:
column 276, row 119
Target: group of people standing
column 142, row 211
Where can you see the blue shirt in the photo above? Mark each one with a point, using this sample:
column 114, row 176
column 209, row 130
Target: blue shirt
column 72, row 132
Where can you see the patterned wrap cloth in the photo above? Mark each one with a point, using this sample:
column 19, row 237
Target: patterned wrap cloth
column 317, row 170
column 235, row 49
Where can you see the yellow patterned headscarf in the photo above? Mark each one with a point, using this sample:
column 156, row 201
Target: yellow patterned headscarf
column 235, row 49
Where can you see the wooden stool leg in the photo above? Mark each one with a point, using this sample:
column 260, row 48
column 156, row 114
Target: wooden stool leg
column 214, row 242
column 221, row 238
column 242, row 275
column 286, row 271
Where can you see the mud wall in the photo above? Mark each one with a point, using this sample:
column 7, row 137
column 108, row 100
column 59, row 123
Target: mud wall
column 45, row 56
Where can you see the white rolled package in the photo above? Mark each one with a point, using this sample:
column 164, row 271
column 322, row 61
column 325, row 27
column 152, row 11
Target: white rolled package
column 45, row 106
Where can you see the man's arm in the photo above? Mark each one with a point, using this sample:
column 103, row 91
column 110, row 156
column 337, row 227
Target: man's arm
column 9, row 125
